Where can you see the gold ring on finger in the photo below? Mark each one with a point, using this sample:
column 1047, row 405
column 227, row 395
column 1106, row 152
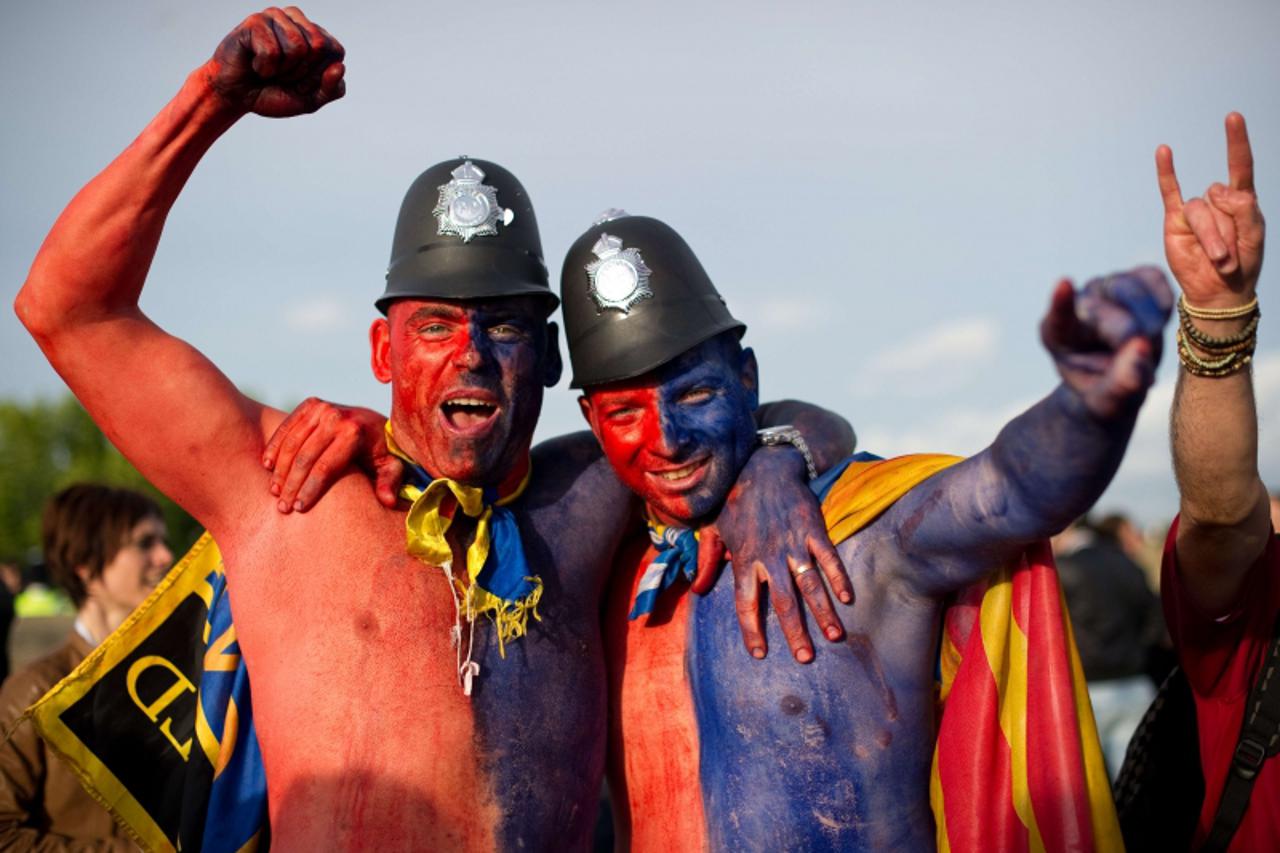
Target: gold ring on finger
column 801, row 569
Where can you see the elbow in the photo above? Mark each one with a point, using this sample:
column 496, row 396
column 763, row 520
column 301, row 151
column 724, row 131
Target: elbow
column 1227, row 508
column 41, row 315
column 30, row 313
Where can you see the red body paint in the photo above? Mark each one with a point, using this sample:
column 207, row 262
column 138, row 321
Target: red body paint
column 467, row 381
column 678, row 436
column 653, row 733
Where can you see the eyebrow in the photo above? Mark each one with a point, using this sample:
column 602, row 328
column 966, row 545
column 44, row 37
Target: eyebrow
column 428, row 312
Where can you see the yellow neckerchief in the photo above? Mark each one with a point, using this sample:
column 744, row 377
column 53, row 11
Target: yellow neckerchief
column 507, row 596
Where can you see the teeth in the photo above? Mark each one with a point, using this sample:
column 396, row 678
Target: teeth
column 679, row 473
column 469, row 401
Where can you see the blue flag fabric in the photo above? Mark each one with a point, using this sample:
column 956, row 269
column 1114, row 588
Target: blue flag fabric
column 237, row 807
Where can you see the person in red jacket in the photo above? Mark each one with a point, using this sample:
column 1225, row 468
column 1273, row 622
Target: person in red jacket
column 1221, row 572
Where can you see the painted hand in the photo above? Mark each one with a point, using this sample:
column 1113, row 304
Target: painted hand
column 1106, row 340
column 772, row 525
column 1214, row 243
column 315, row 446
column 277, row 63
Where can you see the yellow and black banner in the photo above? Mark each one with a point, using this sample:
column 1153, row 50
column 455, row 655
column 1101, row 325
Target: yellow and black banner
column 157, row 721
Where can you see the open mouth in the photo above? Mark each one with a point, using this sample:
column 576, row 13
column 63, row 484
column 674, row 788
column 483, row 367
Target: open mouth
column 468, row 413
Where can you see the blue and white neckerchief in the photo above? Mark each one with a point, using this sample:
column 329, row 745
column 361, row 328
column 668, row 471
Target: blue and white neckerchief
column 677, row 555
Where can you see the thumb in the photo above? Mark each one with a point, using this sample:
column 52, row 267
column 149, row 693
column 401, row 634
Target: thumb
column 710, row 557
column 1060, row 324
column 388, row 474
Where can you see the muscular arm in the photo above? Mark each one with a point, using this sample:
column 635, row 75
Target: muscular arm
column 160, row 401
column 1214, row 246
column 1048, row 465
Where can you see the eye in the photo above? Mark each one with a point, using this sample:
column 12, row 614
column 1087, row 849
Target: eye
column 433, row 330
column 622, row 414
column 506, row 332
column 697, row 396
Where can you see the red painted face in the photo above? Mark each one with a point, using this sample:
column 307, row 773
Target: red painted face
column 679, row 435
column 467, row 379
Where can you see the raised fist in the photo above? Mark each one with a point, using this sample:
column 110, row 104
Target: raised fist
column 277, row 63
column 1106, row 339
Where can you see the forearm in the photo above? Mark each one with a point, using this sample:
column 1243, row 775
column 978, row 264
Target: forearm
column 1053, row 462
column 94, row 261
column 1225, row 518
column 1214, row 435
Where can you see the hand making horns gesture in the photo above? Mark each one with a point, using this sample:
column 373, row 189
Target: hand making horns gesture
column 1214, row 243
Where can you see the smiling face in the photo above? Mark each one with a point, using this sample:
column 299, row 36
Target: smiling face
column 466, row 380
column 133, row 571
column 678, row 436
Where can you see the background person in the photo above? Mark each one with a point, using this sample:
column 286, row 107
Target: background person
column 1116, row 620
column 1221, row 574
column 105, row 547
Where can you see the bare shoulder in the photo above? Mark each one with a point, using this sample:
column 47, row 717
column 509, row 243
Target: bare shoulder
column 571, row 465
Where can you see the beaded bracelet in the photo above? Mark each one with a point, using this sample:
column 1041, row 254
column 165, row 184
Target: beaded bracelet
column 1217, row 313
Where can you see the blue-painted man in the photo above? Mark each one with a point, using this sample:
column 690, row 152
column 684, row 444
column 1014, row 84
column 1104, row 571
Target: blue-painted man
column 710, row 748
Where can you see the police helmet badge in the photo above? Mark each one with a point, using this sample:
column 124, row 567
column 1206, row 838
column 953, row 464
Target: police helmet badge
column 468, row 207
column 619, row 277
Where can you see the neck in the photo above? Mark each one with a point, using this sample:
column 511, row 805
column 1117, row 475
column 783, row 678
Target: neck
column 400, row 444
column 660, row 517
column 100, row 619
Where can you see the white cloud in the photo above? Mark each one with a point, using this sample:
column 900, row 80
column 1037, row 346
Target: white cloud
column 935, row 359
column 963, row 431
column 777, row 314
column 318, row 314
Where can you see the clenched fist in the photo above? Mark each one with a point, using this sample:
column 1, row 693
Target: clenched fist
column 1106, row 339
column 277, row 63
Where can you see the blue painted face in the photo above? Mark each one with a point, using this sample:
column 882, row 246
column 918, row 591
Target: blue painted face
column 678, row 436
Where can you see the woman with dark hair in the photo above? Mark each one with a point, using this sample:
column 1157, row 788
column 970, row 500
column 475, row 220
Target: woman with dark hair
column 106, row 547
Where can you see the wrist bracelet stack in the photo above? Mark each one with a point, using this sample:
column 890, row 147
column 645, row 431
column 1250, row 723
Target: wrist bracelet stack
column 1222, row 356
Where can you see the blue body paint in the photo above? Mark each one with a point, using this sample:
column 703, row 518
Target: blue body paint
column 833, row 755
column 541, row 712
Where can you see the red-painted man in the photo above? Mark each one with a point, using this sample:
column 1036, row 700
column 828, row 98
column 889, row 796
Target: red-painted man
column 391, row 712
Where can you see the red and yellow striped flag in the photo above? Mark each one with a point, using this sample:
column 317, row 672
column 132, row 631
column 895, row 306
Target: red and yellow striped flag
column 1017, row 765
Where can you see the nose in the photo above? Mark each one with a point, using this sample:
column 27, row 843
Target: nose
column 470, row 354
column 162, row 555
column 674, row 436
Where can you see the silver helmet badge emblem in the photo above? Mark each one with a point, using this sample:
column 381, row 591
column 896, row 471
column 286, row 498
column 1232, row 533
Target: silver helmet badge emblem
column 468, row 207
column 619, row 277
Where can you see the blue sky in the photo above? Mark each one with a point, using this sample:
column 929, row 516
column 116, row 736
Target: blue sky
column 884, row 193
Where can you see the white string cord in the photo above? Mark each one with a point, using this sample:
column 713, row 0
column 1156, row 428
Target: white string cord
column 470, row 669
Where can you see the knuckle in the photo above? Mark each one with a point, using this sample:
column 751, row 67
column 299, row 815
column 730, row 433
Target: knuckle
column 809, row 583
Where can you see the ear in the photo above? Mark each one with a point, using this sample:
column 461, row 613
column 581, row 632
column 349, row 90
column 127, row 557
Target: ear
column 588, row 412
column 749, row 373
column 553, row 365
column 87, row 578
column 380, row 347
